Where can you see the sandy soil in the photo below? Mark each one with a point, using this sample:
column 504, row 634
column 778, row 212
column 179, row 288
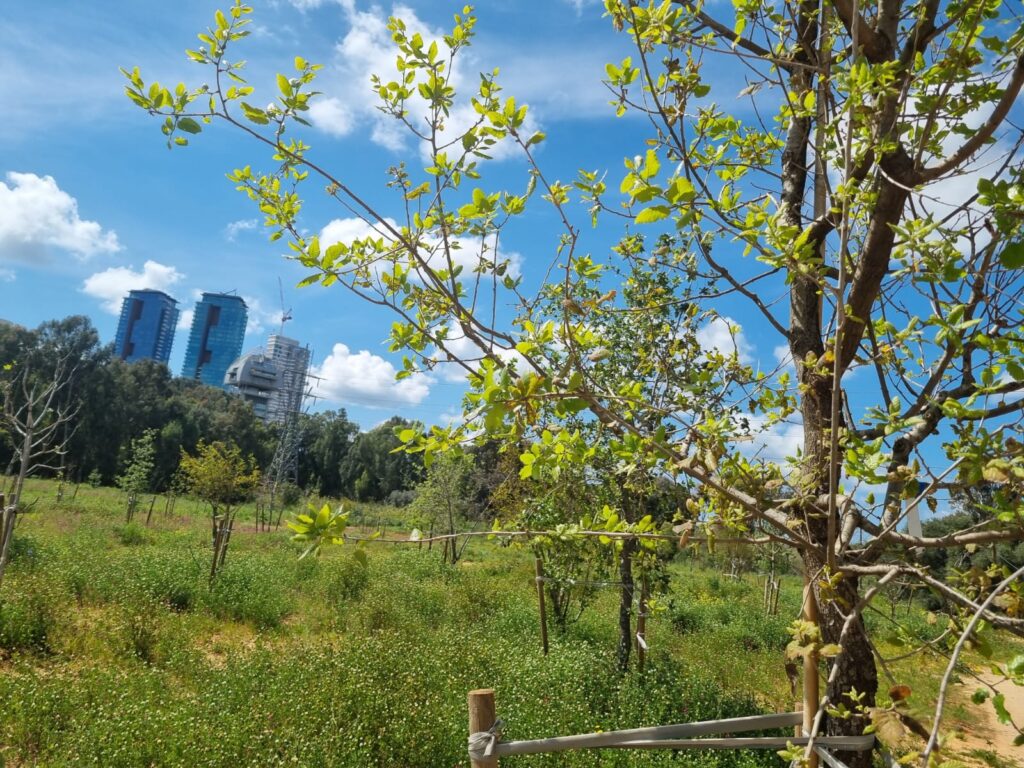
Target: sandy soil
column 986, row 732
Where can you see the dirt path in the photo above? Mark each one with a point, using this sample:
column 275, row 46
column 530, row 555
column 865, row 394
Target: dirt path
column 982, row 729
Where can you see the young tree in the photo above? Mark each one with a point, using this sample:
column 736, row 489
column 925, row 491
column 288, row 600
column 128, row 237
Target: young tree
column 840, row 189
column 138, row 477
column 222, row 477
column 38, row 415
column 444, row 496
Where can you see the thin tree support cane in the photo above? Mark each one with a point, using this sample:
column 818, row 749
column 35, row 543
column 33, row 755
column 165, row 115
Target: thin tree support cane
column 538, row 565
column 812, row 695
column 481, row 721
column 641, row 627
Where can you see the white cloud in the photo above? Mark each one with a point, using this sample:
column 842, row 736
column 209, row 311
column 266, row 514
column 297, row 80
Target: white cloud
column 362, row 378
column 464, row 254
column 347, row 230
column 111, row 285
column 185, row 318
column 579, row 5
column 37, row 215
column 309, row 5
column 783, row 357
column 367, row 50
column 242, row 225
column 462, row 348
column 773, row 443
column 7, row 275
column 260, row 319
column 331, row 116
column 718, row 334
column 559, row 84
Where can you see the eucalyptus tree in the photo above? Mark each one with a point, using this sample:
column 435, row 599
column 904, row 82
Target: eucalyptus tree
column 862, row 197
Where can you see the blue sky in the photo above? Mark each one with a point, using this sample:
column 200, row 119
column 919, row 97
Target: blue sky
column 94, row 204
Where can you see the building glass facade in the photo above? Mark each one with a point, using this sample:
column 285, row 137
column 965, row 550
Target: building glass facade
column 146, row 328
column 215, row 341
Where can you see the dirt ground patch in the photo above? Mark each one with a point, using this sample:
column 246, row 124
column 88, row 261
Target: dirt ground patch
column 984, row 732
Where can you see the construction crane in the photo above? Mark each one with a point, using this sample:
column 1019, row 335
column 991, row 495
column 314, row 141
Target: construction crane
column 286, row 314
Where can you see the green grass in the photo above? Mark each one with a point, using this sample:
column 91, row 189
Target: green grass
column 116, row 651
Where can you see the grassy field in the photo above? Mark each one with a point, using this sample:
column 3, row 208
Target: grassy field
column 114, row 651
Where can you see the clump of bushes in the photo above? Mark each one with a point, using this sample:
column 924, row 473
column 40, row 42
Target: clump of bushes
column 746, row 626
column 24, row 553
column 251, row 589
column 347, row 579
column 132, row 534
column 27, row 620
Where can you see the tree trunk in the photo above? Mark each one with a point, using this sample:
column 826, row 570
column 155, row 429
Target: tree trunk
column 626, row 602
column 857, row 670
column 6, row 533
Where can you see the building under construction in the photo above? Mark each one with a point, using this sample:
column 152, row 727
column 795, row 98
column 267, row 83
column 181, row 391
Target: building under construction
column 272, row 379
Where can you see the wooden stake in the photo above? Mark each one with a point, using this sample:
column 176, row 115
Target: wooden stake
column 812, row 696
column 538, row 566
column 481, row 718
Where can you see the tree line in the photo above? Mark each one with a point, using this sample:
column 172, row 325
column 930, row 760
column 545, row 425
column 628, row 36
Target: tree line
column 112, row 403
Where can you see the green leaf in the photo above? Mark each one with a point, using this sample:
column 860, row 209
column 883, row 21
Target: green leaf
column 1015, row 666
column 652, row 214
column 284, row 86
column 999, row 702
column 1012, row 256
column 189, row 125
column 680, row 191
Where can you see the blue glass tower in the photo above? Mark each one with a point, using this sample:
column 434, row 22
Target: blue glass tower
column 218, row 328
column 146, row 327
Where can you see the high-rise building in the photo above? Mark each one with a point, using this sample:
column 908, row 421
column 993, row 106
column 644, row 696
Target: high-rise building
column 215, row 341
column 272, row 380
column 292, row 361
column 146, row 327
column 257, row 379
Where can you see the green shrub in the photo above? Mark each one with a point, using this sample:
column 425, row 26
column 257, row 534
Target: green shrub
column 746, row 625
column 132, row 534
column 251, row 589
column 175, row 579
column 347, row 579
column 26, row 622
column 141, row 632
column 24, row 553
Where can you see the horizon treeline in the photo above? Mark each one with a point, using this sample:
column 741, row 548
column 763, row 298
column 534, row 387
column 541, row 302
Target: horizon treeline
column 117, row 402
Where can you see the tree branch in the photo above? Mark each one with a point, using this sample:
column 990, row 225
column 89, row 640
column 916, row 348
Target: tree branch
column 982, row 134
